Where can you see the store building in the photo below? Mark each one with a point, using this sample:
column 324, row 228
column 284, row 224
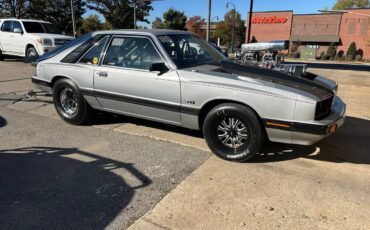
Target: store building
column 315, row 30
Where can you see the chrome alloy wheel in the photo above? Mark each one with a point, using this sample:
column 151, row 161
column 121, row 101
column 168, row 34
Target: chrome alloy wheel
column 232, row 132
column 68, row 100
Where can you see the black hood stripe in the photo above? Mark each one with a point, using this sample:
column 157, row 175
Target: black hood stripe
column 276, row 77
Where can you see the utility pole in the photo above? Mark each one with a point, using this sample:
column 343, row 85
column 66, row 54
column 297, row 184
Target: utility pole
column 250, row 21
column 209, row 20
column 73, row 19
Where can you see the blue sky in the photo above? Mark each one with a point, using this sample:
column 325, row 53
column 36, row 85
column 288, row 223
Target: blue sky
column 199, row 7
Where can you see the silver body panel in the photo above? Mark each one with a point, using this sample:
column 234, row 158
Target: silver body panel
column 178, row 96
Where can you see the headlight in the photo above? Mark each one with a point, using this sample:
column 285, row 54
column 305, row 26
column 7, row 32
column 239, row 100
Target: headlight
column 44, row 41
column 48, row 42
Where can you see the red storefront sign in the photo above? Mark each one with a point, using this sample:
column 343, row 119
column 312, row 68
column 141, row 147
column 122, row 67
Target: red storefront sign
column 269, row 20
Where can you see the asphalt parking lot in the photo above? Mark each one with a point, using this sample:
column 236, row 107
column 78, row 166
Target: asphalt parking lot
column 57, row 176
column 124, row 172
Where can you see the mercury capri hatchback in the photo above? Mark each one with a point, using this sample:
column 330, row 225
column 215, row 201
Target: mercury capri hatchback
column 177, row 78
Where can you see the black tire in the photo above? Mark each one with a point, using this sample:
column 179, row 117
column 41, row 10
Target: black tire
column 1, row 56
column 31, row 52
column 220, row 126
column 70, row 103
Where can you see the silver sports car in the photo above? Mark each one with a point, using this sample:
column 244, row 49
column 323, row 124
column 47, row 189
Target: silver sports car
column 177, row 78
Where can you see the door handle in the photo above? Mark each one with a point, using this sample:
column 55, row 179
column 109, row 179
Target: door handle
column 103, row 74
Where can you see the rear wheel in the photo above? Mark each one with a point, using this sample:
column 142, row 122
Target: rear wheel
column 70, row 103
column 233, row 132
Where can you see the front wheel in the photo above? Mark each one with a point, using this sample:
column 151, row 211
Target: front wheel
column 70, row 103
column 31, row 52
column 233, row 132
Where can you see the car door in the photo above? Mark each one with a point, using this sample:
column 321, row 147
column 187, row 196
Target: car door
column 5, row 36
column 18, row 39
column 123, row 82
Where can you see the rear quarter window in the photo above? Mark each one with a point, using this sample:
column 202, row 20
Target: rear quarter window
column 77, row 53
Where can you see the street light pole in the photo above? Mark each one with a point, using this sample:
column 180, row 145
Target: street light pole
column 232, row 35
column 250, row 21
column 73, row 19
column 209, row 20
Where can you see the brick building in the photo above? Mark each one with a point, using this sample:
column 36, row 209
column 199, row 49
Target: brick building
column 315, row 30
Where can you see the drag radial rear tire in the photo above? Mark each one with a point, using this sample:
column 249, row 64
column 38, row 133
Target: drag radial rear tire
column 233, row 132
column 70, row 103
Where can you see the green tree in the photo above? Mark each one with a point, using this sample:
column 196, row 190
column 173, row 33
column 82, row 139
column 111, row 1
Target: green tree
column 90, row 24
column 224, row 29
column 57, row 12
column 345, row 4
column 196, row 25
column 13, row 8
column 332, row 51
column 157, row 23
column 120, row 13
column 174, row 19
column 351, row 52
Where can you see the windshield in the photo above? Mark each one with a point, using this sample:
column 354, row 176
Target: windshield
column 187, row 50
column 37, row 27
column 51, row 29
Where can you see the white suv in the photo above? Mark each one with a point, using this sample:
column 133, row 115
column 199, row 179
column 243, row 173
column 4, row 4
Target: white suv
column 27, row 38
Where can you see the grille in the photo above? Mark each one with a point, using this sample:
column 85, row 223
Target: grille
column 60, row 42
column 323, row 108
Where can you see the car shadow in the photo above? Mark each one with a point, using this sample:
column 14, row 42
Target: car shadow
column 350, row 144
column 8, row 58
column 3, row 122
column 62, row 188
column 105, row 118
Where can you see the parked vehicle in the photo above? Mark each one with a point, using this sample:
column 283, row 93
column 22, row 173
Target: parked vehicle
column 27, row 38
column 175, row 77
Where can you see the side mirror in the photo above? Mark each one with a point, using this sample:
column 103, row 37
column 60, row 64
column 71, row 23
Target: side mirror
column 17, row 30
column 158, row 67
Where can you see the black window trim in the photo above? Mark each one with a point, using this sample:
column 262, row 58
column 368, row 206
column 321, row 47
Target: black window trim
column 92, row 41
column 11, row 26
column 92, row 47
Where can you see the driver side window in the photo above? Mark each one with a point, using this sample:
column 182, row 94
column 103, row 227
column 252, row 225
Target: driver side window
column 132, row 52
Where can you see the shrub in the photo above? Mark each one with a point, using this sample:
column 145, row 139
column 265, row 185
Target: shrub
column 340, row 55
column 332, row 51
column 358, row 58
column 349, row 58
column 296, row 54
column 352, row 50
column 325, row 57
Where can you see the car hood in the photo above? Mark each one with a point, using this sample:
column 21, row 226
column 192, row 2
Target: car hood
column 265, row 76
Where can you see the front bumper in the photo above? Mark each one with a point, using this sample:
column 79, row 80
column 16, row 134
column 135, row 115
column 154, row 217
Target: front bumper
column 41, row 49
column 307, row 133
